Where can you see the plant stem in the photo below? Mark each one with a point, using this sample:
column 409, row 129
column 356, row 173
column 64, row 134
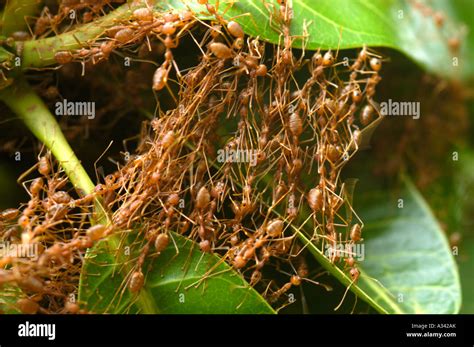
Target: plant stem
column 23, row 100
column 40, row 53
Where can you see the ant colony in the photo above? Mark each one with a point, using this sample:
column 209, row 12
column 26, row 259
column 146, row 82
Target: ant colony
column 299, row 133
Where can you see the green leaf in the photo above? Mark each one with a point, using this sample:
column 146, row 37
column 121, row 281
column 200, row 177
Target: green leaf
column 9, row 295
column 344, row 278
column 466, row 267
column 344, row 24
column 16, row 13
column 186, row 282
column 408, row 266
column 450, row 197
column 407, row 252
column 6, row 57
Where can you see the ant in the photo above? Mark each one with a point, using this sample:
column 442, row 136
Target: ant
column 300, row 275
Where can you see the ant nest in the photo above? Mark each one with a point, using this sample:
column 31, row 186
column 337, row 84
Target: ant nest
column 244, row 196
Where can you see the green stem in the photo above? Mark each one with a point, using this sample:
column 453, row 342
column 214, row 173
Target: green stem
column 23, row 100
column 40, row 53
